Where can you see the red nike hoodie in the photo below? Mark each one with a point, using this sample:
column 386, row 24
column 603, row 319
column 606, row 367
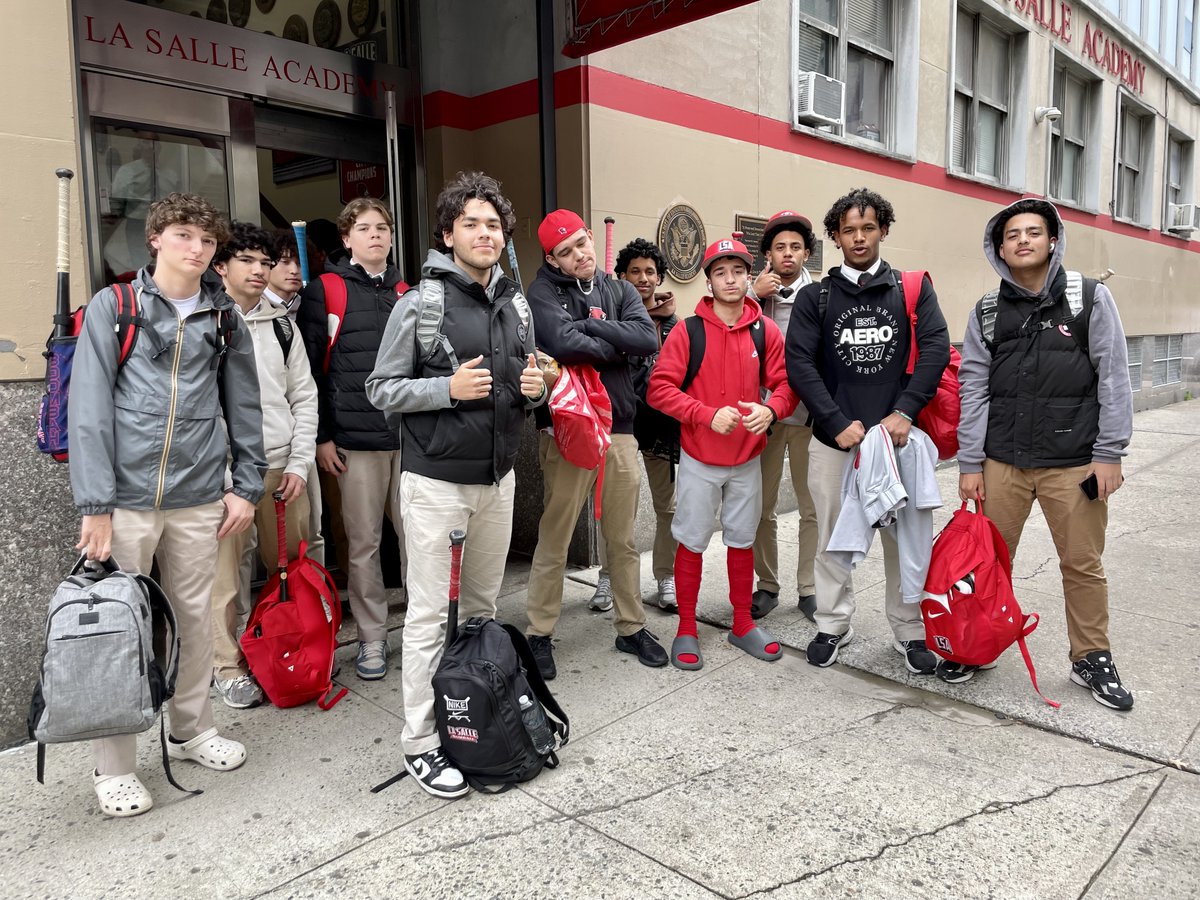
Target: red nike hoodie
column 728, row 373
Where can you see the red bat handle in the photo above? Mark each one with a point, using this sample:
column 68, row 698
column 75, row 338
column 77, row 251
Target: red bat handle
column 608, row 243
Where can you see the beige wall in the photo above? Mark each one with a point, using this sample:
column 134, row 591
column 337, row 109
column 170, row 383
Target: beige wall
column 40, row 136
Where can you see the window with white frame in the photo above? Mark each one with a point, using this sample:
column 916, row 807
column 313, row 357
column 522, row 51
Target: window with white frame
column 1133, row 348
column 982, row 92
column 1068, row 136
column 1168, row 359
column 854, row 41
column 1135, row 140
column 1180, row 151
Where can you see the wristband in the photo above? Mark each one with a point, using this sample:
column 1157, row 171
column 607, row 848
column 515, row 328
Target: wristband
column 905, row 416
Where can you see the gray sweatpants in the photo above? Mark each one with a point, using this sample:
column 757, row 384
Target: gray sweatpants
column 701, row 490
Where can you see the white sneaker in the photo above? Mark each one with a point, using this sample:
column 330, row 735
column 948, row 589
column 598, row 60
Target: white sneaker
column 371, row 664
column 435, row 775
column 666, row 594
column 602, row 600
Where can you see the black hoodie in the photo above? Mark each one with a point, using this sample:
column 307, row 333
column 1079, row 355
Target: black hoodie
column 566, row 331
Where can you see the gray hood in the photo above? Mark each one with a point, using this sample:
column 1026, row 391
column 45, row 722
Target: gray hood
column 1060, row 247
column 442, row 265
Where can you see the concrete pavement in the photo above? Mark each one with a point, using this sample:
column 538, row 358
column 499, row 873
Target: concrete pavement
column 746, row 779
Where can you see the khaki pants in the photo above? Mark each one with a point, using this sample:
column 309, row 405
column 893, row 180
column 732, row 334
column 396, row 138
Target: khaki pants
column 228, row 661
column 566, row 489
column 316, row 539
column 659, row 474
column 186, row 542
column 432, row 509
column 1077, row 526
column 331, row 499
column 795, row 439
column 370, row 486
column 834, row 584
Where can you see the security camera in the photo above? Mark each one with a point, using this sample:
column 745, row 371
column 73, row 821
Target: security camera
column 1042, row 113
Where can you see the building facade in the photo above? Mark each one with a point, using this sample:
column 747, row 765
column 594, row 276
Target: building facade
column 680, row 121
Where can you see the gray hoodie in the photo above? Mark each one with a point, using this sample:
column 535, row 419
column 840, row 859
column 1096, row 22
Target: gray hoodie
column 1106, row 348
column 151, row 435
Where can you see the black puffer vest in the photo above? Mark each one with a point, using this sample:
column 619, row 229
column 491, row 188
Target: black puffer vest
column 1044, row 410
column 473, row 441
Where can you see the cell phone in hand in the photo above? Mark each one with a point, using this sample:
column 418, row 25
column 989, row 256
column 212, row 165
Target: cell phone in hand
column 1090, row 488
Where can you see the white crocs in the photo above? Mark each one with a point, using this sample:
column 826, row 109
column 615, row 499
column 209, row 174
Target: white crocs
column 121, row 795
column 210, row 750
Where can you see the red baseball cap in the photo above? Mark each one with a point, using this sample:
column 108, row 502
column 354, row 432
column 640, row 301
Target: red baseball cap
column 726, row 247
column 557, row 227
column 779, row 222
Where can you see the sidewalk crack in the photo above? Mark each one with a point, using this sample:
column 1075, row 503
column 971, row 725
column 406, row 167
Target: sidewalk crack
column 996, row 806
column 1125, row 836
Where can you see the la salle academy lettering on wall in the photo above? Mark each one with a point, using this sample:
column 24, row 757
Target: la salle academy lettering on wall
column 190, row 50
column 1105, row 52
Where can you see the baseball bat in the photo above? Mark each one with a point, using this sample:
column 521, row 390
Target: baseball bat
column 512, row 261
column 608, row 243
column 301, row 229
column 62, row 266
column 457, row 537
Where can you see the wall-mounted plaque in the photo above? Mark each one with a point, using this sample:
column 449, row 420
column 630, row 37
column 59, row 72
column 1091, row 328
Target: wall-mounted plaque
column 361, row 14
column 216, row 12
column 327, row 24
column 295, row 29
column 681, row 239
column 239, row 12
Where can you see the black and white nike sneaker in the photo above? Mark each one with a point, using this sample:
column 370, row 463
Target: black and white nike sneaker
column 1098, row 672
column 433, row 772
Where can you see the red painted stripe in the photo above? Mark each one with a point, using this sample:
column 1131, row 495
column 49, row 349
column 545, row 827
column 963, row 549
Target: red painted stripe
column 590, row 84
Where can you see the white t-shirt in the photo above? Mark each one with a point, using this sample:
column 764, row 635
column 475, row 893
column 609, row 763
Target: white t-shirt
column 186, row 306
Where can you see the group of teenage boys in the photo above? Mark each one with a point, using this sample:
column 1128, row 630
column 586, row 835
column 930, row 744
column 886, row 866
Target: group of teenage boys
column 418, row 408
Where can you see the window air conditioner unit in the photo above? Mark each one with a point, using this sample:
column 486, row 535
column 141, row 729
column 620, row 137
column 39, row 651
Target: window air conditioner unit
column 820, row 100
column 1184, row 218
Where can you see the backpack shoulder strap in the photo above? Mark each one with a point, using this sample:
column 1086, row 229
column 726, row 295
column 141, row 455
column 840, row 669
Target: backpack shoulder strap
column 129, row 319
column 823, row 300
column 1080, row 298
column 985, row 311
column 910, row 286
column 696, row 341
column 758, row 334
column 335, row 311
column 431, row 294
column 284, row 333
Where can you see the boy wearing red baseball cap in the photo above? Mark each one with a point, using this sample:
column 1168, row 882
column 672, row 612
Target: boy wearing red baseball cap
column 723, row 431
column 583, row 317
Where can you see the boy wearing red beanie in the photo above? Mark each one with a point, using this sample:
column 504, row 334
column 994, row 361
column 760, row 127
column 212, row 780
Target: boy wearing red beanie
column 723, row 431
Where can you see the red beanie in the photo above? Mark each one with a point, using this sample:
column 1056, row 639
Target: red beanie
column 557, row 227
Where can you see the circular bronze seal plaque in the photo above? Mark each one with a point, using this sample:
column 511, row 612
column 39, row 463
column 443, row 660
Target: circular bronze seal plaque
column 681, row 239
column 295, row 29
column 327, row 24
column 239, row 12
column 362, row 15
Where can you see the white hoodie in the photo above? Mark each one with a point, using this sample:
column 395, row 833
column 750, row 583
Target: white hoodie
column 289, row 394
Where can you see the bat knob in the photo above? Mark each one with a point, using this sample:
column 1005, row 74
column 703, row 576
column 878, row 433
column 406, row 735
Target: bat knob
column 457, row 536
column 64, row 173
column 609, row 220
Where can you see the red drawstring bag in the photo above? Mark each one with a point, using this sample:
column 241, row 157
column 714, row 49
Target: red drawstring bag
column 581, row 413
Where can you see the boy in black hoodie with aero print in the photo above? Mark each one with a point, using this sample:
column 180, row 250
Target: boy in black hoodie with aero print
column 847, row 350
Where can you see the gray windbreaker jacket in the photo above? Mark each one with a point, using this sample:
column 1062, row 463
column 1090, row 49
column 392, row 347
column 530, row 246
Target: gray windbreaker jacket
column 1106, row 348
column 151, row 436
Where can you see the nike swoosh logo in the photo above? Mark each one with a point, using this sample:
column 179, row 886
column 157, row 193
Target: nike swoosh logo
column 935, row 615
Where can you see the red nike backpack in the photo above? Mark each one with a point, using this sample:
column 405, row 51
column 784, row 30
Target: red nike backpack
column 292, row 634
column 971, row 613
column 581, row 412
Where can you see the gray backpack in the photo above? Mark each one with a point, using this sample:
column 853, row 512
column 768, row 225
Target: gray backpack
column 110, row 660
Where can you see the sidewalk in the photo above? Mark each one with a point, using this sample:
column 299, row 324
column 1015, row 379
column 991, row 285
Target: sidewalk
column 745, row 779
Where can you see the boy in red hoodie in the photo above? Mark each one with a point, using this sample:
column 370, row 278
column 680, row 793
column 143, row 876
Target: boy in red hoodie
column 723, row 431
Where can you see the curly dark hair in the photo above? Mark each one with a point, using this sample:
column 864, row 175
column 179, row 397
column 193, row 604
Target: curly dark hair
column 1038, row 207
column 283, row 243
column 244, row 236
column 185, row 209
column 860, row 199
column 640, row 248
column 466, row 186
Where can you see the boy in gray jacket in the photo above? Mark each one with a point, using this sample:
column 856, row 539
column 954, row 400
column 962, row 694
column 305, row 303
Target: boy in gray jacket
column 149, row 451
column 1047, row 412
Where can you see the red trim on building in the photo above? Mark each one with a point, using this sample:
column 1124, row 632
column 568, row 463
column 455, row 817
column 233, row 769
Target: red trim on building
column 589, row 84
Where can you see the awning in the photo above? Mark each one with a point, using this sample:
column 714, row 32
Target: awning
column 597, row 24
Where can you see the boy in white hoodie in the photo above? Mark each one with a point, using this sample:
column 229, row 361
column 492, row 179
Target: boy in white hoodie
column 289, row 414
